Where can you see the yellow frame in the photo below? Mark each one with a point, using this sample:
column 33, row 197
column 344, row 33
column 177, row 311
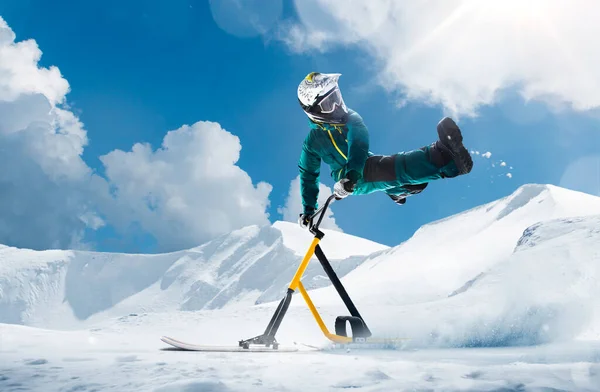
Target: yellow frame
column 297, row 284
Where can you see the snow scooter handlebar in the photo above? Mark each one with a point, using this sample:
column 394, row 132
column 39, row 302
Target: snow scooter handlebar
column 314, row 227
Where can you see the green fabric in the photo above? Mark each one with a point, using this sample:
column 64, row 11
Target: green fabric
column 413, row 167
column 353, row 141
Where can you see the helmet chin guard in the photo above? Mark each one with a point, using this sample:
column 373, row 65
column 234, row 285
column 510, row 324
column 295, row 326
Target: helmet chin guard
column 321, row 99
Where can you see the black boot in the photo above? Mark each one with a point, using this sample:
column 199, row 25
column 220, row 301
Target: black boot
column 450, row 144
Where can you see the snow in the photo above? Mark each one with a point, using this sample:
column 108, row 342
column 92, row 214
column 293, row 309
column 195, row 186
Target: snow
column 505, row 296
column 132, row 360
column 547, row 291
column 340, row 245
column 440, row 257
column 58, row 289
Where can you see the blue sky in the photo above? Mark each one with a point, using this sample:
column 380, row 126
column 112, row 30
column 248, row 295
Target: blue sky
column 139, row 69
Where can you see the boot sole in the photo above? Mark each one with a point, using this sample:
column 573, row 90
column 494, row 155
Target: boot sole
column 450, row 135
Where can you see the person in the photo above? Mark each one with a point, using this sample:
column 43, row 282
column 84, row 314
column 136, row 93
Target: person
column 339, row 137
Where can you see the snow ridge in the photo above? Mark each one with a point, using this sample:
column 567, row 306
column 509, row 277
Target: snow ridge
column 248, row 266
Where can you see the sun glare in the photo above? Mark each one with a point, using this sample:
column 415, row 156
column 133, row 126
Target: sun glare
column 522, row 12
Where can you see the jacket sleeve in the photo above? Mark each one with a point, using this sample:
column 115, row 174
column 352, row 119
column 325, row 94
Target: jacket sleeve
column 310, row 168
column 358, row 146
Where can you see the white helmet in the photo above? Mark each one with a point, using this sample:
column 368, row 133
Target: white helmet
column 321, row 99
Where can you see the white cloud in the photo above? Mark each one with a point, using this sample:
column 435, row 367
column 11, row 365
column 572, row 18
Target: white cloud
column 502, row 164
column 19, row 71
column 462, row 53
column 487, row 155
column 509, row 175
column 293, row 205
column 189, row 190
column 182, row 194
column 46, row 187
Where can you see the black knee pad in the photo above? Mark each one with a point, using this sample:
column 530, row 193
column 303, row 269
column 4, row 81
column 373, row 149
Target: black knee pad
column 380, row 168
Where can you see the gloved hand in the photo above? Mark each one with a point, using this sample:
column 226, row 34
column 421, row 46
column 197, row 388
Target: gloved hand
column 304, row 220
column 343, row 188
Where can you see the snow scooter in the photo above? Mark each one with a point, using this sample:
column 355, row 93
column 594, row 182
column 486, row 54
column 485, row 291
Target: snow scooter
column 360, row 337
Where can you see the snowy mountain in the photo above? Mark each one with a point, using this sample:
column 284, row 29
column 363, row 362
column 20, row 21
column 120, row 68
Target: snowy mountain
column 252, row 265
column 546, row 290
column 443, row 256
column 513, row 274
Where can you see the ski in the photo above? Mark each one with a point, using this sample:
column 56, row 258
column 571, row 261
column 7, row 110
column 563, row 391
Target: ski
column 183, row 346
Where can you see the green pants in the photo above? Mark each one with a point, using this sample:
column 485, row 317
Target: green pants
column 392, row 173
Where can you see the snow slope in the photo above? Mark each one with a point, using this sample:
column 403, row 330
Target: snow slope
column 58, row 289
column 444, row 255
column 547, row 291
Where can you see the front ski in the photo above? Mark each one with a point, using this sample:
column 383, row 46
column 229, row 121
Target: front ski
column 183, row 346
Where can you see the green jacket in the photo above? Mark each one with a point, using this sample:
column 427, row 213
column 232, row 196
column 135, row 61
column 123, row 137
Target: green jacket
column 345, row 148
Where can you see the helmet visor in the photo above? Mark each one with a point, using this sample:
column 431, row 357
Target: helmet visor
column 331, row 101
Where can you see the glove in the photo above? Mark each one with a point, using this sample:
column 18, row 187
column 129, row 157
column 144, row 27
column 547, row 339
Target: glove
column 304, row 220
column 343, row 188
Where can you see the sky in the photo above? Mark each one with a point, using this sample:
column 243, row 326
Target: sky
column 153, row 126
